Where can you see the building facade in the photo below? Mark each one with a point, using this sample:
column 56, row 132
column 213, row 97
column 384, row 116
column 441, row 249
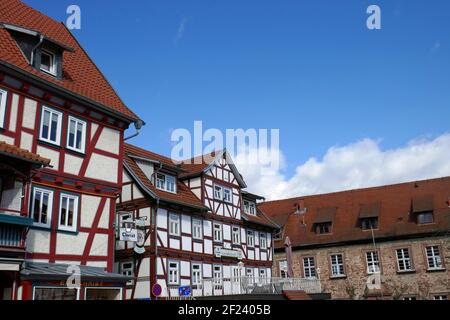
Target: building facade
column 54, row 102
column 202, row 230
column 390, row 242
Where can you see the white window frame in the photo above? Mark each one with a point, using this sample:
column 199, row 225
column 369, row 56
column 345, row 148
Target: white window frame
column 262, row 273
column 173, row 274
column 442, row 297
column 218, row 277
column 76, row 200
column 165, row 186
column 197, row 229
column 218, row 232
column 283, row 267
column 52, row 67
column 250, row 244
column 83, row 123
column 3, row 100
column 263, row 244
column 337, row 268
column 309, row 267
column 405, row 260
column 49, row 207
column 197, row 275
column 129, row 271
column 59, row 114
column 236, row 235
column 250, row 207
column 435, row 257
column 230, row 193
column 373, row 262
column 218, row 195
column 174, row 224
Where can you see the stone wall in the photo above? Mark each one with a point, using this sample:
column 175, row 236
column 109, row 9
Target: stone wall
column 421, row 283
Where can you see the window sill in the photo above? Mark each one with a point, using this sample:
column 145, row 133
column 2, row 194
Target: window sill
column 436, row 270
column 338, row 277
column 50, row 144
column 69, row 232
column 406, row 271
column 41, row 228
column 75, row 152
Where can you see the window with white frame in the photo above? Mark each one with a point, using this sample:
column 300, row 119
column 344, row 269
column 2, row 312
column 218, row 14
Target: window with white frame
column 166, row 182
column 250, row 275
column 373, row 262
column 309, row 267
column 283, row 269
column 174, row 224
column 434, row 258
column 3, row 99
column 337, row 265
column 249, row 207
column 217, row 276
column 262, row 273
column 196, row 274
column 236, row 235
column 174, row 273
column 218, row 192
column 48, row 62
column 217, row 232
column 50, row 130
column 41, row 208
column 76, row 135
column 127, row 269
column 68, row 212
column 197, row 229
column 440, row 297
column 404, row 260
column 250, row 238
column 227, row 195
column 263, row 241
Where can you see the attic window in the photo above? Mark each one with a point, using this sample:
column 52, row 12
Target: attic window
column 250, row 207
column 48, row 62
column 166, row 182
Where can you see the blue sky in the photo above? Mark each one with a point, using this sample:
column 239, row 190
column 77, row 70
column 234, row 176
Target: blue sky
column 310, row 68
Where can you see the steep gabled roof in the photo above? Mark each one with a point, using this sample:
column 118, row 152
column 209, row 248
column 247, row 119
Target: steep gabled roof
column 394, row 206
column 80, row 75
column 184, row 195
column 201, row 164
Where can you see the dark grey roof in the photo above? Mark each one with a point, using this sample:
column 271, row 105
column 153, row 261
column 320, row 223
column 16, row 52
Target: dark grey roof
column 55, row 271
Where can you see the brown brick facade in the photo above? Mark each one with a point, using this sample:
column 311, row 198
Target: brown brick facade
column 421, row 283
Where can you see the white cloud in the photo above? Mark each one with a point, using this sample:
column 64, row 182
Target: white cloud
column 357, row 165
column 181, row 30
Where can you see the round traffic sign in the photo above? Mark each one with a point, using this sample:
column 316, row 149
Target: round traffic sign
column 156, row 289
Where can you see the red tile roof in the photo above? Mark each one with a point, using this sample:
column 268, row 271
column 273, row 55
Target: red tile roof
column 395, row 213
column 260, row 219
column 23, row 154
column 184, row 195
column 80, row 75
column 196, row 165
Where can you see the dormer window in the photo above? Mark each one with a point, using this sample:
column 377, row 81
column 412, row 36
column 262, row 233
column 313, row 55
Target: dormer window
column 48, row 62
column 166, row 182
column 425, row 217
column 250, row 207
column 422, row 208
column 369, row 223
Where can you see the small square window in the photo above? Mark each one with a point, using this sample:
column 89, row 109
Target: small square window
column 227, row 195
column 48, row 62
column 323, row 228
column 369, row 223
column 68, row 212
column 425, row 217
column 50, row 130
column 42, row 207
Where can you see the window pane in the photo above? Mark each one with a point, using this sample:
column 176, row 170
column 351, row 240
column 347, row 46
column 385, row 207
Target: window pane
column 71, row 212
column 72, row 133
column 54, row 127
column 45, row 125
column 55, row 294
column 62, row 220
column 79, row 135
column 37, row 205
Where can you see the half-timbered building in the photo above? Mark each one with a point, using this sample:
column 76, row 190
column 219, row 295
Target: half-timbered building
column 56, row 103
column 202, row 229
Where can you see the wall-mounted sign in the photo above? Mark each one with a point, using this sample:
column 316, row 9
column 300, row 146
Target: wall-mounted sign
column 184, row 291
column 128, row 232
column 140, row 241
column 230, row 253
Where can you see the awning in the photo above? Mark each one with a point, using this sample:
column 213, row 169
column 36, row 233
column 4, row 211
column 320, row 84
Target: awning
column 422, row 204
column 17, row 220
column 54, row 271
column 370, row 210
column 325, row 214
